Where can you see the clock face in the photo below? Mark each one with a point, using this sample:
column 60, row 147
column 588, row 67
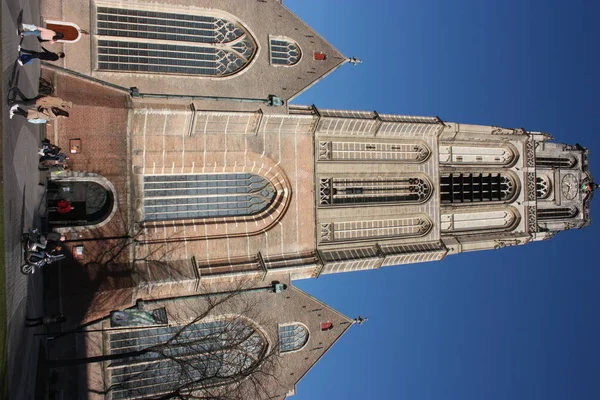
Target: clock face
column 570, row 186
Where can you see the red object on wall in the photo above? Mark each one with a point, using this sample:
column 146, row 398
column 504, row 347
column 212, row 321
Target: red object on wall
column 319, row 56
column 325, row 326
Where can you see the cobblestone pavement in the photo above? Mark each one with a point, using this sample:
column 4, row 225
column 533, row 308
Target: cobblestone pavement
column 22, row 200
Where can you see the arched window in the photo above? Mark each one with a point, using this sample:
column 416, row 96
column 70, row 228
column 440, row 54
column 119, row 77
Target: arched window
column 342, row 191
column 557, row 213
column 200, row 355
column 284, row 51
column 542, row 187
column 172, row 197
column 470, row 188
column 133, row 40
column 292, row 337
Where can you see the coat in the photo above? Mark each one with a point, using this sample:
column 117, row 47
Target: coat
column 40, row 113
column 51, row 101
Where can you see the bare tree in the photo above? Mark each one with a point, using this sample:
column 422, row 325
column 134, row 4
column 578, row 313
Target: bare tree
column 215, row 347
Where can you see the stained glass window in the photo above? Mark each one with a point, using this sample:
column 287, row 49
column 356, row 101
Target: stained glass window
column 284, row 51
column 171, row 197
column 292, row 337
column 171, row 43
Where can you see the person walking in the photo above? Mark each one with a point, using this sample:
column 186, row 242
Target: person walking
column 49, row 148
column 44, row 102
column 38, row 116
column 64, row 207
column 43, row 34
column 60, row 157
column 26, row 56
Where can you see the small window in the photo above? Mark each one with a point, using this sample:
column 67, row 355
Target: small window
column 542, row 187
column 284, row 51
column 320, row 56
column 292, row 337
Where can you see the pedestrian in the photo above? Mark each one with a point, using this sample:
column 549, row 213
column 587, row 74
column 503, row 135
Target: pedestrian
column 44, row 102
column 46, row 55
column 56, row 168
column 45, row 320
column 43, row 34
column 49, row 242
column 64, row 207
column 60, row 157
column 49, row 148
column 40, row 115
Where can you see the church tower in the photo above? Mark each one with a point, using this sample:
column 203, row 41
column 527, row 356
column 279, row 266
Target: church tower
column 396, row 190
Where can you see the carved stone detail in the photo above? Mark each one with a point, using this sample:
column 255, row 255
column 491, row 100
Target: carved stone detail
column 508, row 131
column 502, row 243
column 569, row 225
column 531, row 186
column 532, row 219
column 324, row 150
column 325, row 191
column 530, row 153
column 326, row 232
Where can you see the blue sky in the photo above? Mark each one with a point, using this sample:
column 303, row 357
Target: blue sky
column 517, row 323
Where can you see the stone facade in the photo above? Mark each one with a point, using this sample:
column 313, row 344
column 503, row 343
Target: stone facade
column 207, row 185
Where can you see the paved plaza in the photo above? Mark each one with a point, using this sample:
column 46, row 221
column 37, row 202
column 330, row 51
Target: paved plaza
column 23, row 198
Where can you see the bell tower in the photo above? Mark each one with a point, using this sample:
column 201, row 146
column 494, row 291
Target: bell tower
column 395, row 189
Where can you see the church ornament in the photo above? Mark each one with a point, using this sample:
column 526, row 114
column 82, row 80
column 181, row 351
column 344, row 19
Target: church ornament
column 502, row 243
column 530, row 152
column 532, row 219
column 508, row 131
column 326, row 233
column 531, row 186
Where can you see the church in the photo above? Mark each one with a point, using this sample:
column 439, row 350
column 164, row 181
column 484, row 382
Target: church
column 194, row 176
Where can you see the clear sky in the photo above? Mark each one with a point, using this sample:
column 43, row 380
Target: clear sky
column 518, row 323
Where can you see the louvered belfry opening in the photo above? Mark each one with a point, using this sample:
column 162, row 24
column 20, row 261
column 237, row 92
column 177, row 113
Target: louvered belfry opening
column 471, row 188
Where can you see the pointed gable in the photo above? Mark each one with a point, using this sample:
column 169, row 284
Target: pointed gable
column 249, row 49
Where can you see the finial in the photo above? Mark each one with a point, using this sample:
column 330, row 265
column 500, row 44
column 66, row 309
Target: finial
column 354, row 60
column 360, row 320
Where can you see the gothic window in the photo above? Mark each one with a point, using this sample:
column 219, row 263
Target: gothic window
column 341, row 191
column 284, row 51
column 171, row 197
column 473, row 154
column 542, row 187
column 376, row 151
column 414, row 225
column 470, row 188
column 557, row 213
column 564, row 162
column 212, row 352
column 130, row 40
column 292, row 337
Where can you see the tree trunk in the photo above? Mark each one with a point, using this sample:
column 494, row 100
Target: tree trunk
column 71, row 362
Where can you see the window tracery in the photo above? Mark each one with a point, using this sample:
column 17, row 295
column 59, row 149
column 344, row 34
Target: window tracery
column 345, row 191
column 292, row 337
column 172, row 197
column 542, row 187
column 284, row 51
column 131, row 40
